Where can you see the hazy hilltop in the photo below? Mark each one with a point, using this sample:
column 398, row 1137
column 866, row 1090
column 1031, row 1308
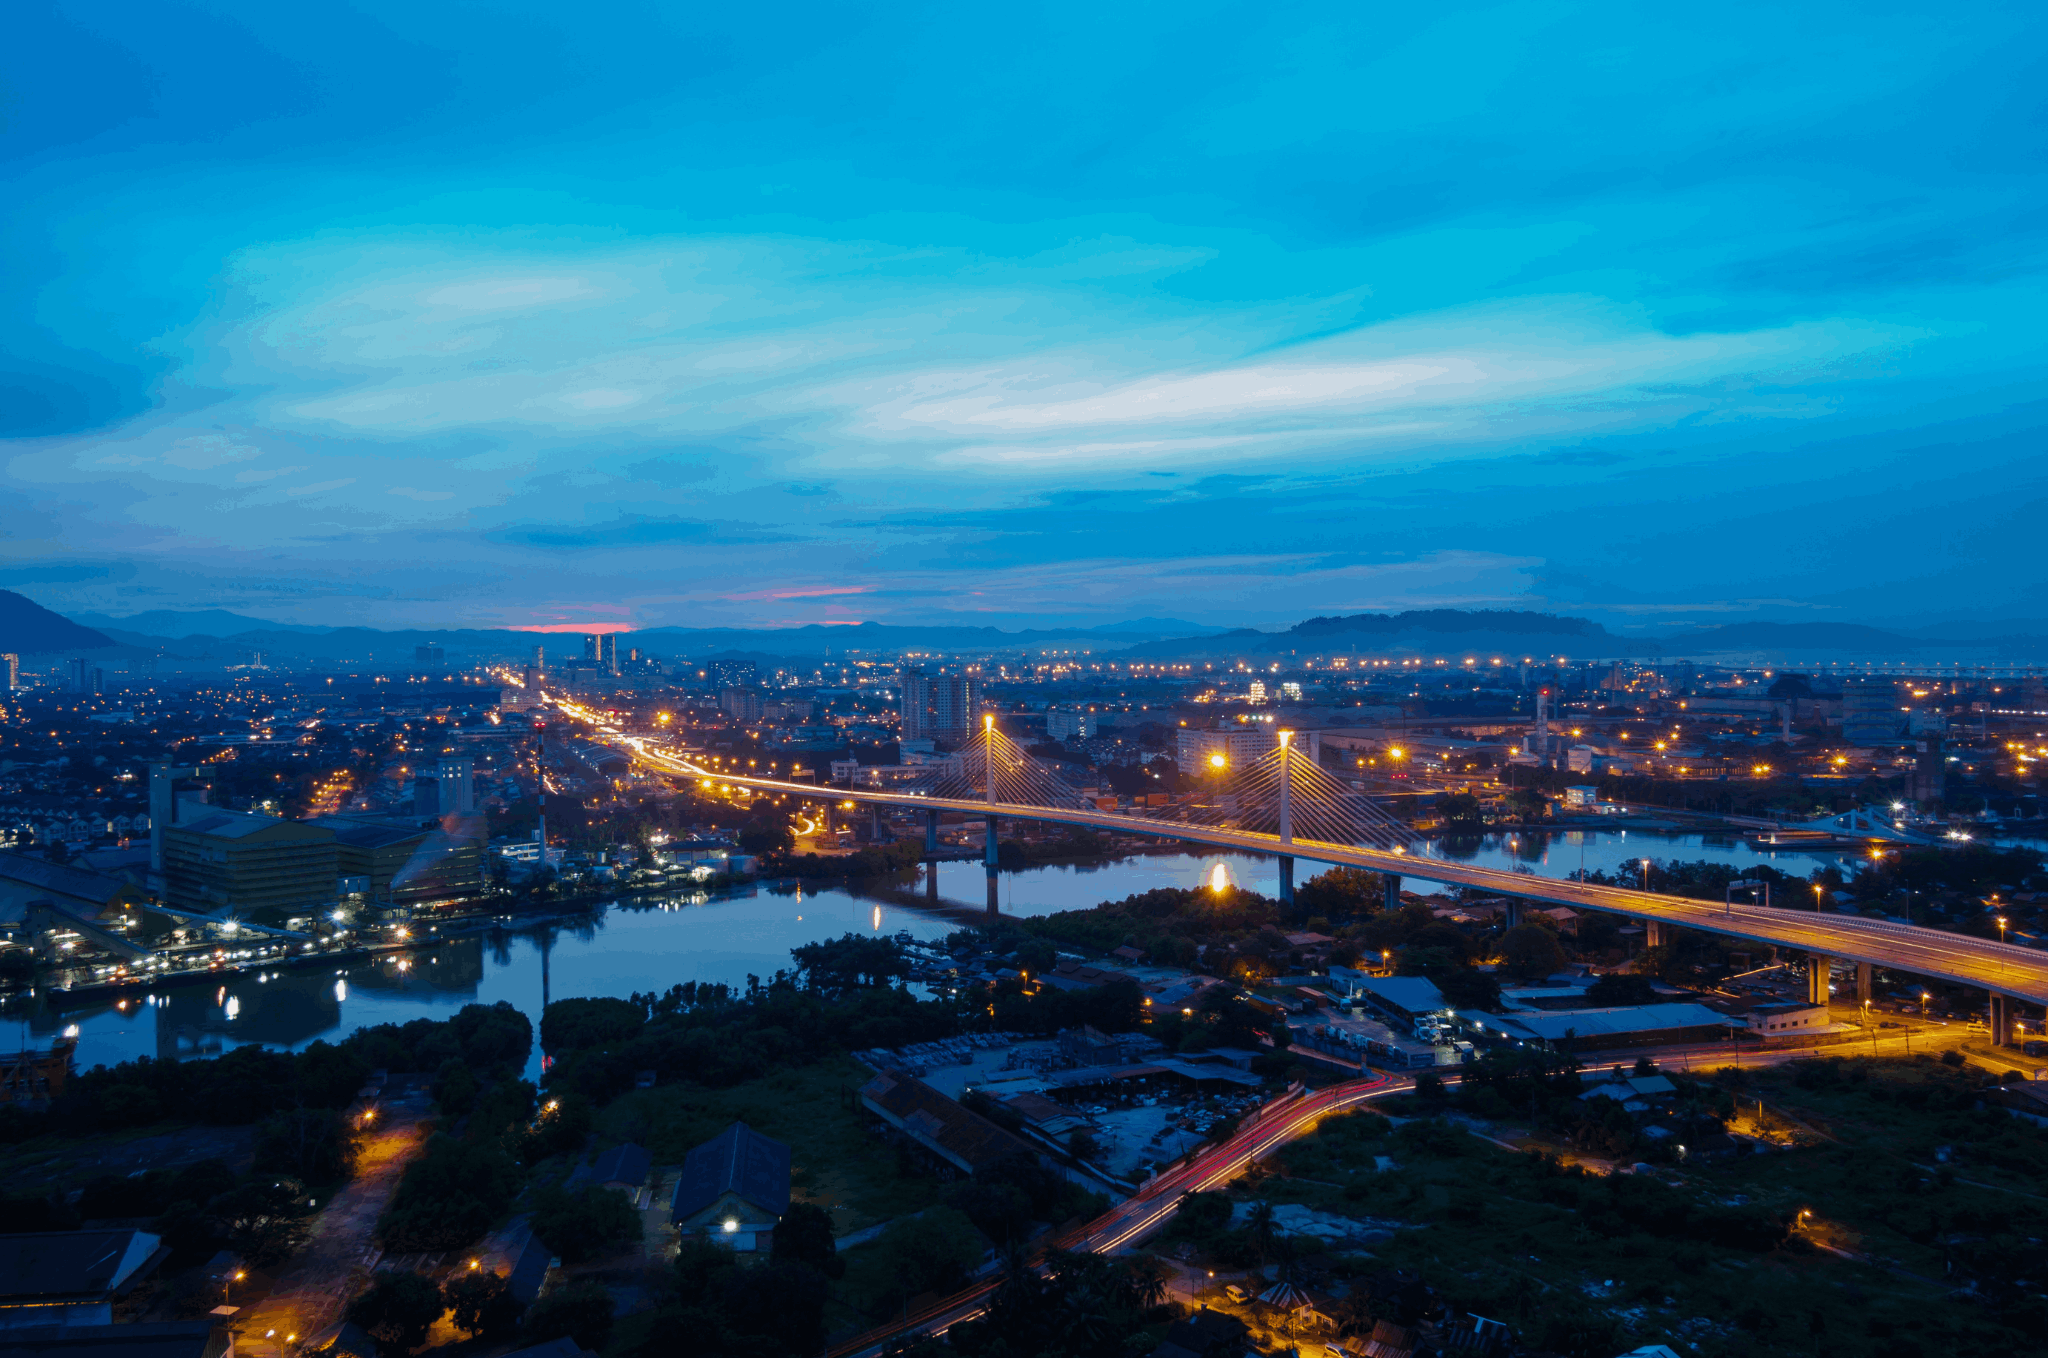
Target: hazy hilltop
column 27, row 628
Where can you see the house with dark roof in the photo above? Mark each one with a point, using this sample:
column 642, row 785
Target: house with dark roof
column 733, row 1188
column 71, row 1277
column 623, row 1167
column 952, row 1138
column 170, row 1339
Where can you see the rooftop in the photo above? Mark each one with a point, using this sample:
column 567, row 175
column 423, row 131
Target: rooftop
column 738, row 1160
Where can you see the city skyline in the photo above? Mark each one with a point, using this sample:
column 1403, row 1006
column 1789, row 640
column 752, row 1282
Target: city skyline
column 645, row 319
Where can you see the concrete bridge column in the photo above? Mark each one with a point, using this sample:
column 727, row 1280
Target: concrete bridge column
column 1817, row 978
column 1392, row 882
column 1656, row 933
column 988, row 859
column 1286, row 879
column 1863, row 987
column 1513, row 914
column 2001, row 1020
column 931, row 855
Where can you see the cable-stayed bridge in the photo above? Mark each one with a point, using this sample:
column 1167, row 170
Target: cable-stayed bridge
column 1283, row 805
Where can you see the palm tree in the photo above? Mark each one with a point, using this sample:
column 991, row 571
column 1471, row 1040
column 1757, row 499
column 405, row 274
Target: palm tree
column 1260, row 1223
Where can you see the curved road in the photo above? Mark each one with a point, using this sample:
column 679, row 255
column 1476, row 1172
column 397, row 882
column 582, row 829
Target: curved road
column 1290, row 1116
column 2005, row 968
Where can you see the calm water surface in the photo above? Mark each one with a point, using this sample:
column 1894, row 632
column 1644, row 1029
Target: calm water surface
column 662, row 941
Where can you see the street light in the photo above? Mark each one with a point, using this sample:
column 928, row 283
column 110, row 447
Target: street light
column 2001, row 928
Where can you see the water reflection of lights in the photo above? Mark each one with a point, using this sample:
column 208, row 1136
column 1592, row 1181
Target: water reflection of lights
column 1219, row 878
column 233, row 1006
column 878, row 918
column 341, row 990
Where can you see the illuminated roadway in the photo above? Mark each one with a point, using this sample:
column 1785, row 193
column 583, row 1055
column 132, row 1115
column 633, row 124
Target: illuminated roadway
column 2005, row 968
column 1284, row 1119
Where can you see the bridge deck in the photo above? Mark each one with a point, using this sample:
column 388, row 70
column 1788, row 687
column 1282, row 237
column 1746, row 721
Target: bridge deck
column 2005, row 968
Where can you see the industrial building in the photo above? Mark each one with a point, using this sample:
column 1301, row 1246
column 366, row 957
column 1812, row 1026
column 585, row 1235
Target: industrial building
column 407, row 865
column 234, row 863
column 1590, row 1029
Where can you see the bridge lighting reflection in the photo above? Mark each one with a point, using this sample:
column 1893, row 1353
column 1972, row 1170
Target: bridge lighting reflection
column 1219, row 878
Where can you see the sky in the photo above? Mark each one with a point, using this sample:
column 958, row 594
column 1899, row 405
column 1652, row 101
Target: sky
column 464, row 314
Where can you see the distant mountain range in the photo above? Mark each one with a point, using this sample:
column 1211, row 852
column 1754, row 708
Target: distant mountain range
column 1505, row 634
column 27, row 628
column 1508, row 634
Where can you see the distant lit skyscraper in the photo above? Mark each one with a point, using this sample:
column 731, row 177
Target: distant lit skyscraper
column 540, row 659
column 916, row 704
column 590, row 644
column 13, row 663
column 608, row 656
column 956, row 705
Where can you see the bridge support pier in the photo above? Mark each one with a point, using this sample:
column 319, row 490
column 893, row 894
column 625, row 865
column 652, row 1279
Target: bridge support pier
column 931, row 855
column 1392, row 883
column 988, row 859
column 1512, row 916
column 1656, row 933
column 1863, row 987
column 1286, row 879
column 1817, row 965
column 2001, row 1020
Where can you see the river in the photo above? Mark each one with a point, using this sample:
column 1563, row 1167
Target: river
column 649, row 944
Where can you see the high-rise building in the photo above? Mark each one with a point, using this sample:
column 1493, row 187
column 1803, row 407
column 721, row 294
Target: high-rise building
column 608, row 653
column 540, row 659
column 13, row 663
column 915, row 704
column 732, row 673
column 590, row 644
column 76, row 674
column 956, row 705
column 946, row 706
column 428, row 655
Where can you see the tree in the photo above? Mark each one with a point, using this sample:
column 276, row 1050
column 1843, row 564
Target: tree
column 1082, row 1143
column 1465, row 988
column 397, row 1310
column 264, row 1220
column 1459, row 808
column 851, row 962
column 314, row 1144
column 804, row 1236
column 934, row 1252
column 1530, row 950
column 582, row 1311
column 585, row 1224
column 1620, row 988
column 481, row 1303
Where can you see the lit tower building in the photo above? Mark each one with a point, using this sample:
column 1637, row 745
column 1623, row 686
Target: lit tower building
column 956, row 705
column 916, row 704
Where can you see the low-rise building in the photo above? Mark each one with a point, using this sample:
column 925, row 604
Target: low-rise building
column 733, row 1189
column 71, row 1277
column 952, row 1138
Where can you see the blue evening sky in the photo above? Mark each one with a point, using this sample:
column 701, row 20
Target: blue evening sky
column 481, row 314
